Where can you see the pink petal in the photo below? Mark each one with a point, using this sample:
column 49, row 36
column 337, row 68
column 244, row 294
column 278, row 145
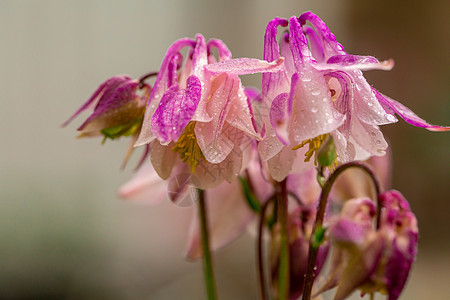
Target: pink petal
column 354, row 62
column 228, row 217
column 406, row 114
column 214, row 145
column 162, row 158
column 145, row 186
column 280, row 165
column 242, row 66
column 360, row 267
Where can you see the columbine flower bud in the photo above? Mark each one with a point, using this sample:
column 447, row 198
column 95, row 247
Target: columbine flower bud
column 372, row 260
column 118, row 109
column 299, row 227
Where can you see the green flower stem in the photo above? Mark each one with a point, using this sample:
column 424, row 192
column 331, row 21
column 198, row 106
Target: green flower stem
column 284, row 250
column 318, row 228
column 259, row 250
column 207, row 260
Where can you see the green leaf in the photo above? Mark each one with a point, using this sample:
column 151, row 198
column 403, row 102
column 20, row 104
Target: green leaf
column 250, row 196
column 319, row 237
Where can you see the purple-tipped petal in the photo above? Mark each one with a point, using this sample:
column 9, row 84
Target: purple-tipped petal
column 199, row 57
column 167, row 77
column 406, row 114
column 272, row 83
column 103, row 92
column 298, row 44
column 314, row 43
column 242, row 66
column 176, row 109
column 355, row 62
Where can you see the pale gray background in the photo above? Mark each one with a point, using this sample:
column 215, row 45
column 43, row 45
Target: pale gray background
column 65, row 234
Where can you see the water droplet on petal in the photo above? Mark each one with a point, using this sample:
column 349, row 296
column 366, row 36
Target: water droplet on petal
column 390, row 118
column 314, row 109
column 315, row 92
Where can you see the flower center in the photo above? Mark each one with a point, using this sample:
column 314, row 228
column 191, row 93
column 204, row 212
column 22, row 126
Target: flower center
column 314, row 145
column 190, row 152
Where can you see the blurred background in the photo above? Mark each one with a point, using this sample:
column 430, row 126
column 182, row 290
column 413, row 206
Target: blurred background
column 64, row 234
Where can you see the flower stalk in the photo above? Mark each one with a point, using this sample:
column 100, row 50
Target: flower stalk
column 318, row 229
column 284, row 250
column 210, row 283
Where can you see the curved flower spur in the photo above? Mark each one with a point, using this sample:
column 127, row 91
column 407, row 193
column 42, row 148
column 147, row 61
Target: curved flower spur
column 198, row 109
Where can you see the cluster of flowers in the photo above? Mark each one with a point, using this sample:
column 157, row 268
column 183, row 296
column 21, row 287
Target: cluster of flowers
column 204, row 130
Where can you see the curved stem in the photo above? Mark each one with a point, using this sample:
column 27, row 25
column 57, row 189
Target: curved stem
column 145, row 77
column 313, row 247
column 284, row 251
column 259, row 249
column 207, row 260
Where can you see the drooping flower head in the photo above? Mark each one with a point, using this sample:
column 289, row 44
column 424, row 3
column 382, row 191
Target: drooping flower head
column 118, row 107
column 199, row 111
column 321, row 91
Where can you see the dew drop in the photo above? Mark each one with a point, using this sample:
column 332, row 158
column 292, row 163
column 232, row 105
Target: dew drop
column 378, row 142
column 370, row 103
column 330, row 121
column 325, row 99
column 314, row 110
column 390, row 118
column 315, row 92
column 306, row 78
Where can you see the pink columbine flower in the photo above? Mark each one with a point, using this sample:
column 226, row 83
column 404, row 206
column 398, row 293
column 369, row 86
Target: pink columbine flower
column 372, row 260
column 321, row 91
column 118, row 107
column 198, row 110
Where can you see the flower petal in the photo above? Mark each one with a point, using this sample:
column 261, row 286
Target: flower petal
column 176, row 109
column 406, row 114
column 228, row 217
column 279, row 118
column 162, row 158
column 167, row 76
column 243, row 66
column 145, row 186
column 353, row 62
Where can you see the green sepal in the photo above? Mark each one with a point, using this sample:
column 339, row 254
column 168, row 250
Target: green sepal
column 327, row 153
column 118, row 131
column 319, row 237
column 250, row 196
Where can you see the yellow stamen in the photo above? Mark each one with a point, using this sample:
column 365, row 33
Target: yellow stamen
column 314, row 145
column 188, row 148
